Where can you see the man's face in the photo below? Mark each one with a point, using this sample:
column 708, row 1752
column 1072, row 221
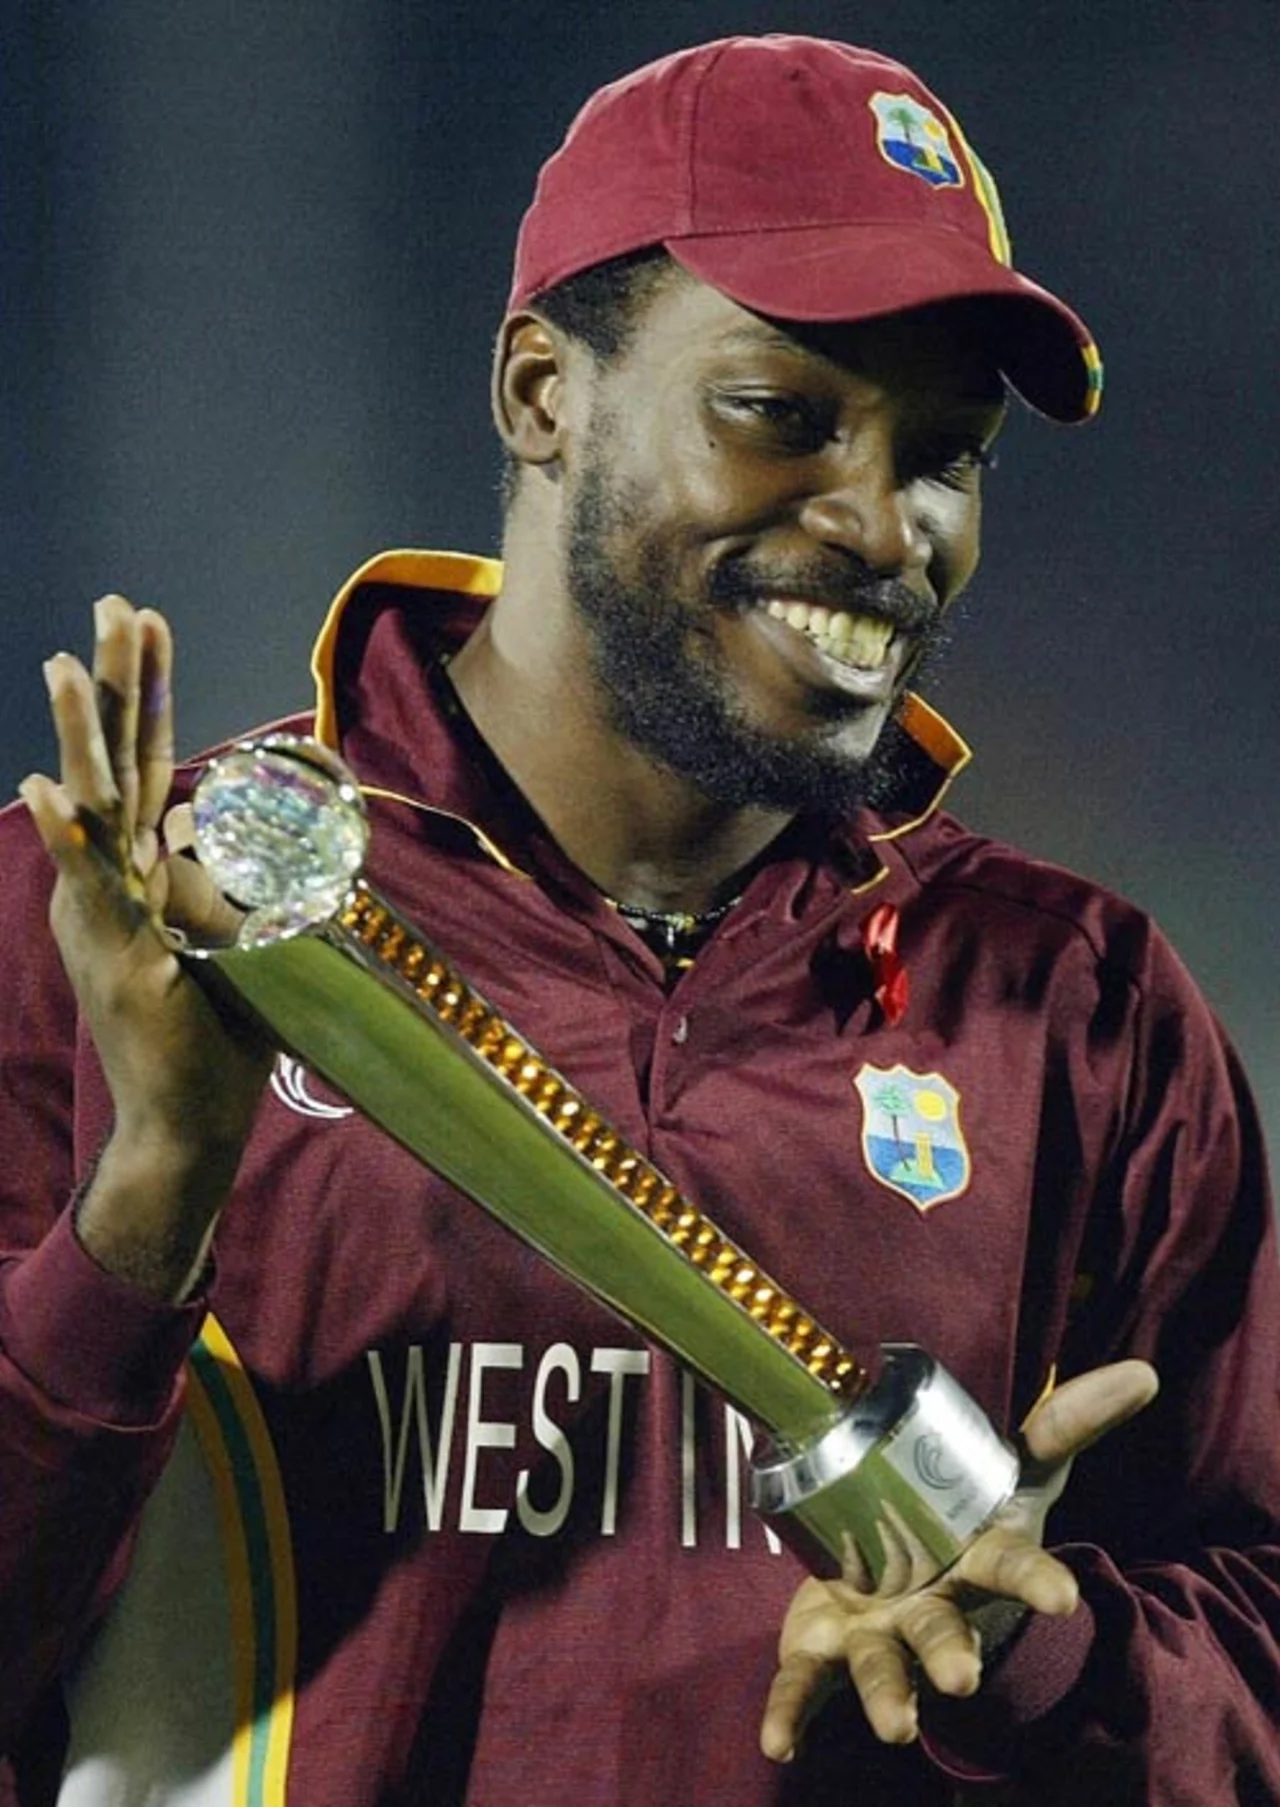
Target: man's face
column 765, row 528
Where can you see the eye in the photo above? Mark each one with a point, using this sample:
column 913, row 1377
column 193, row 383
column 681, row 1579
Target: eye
column 955, row 462
column 797, row 423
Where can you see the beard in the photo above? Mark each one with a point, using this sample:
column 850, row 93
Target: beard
column 668, row 690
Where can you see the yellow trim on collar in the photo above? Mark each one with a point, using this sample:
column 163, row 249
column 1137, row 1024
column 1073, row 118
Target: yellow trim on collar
column 949, row 751
column 457, row 571
column 468, row 575
column 487, row 842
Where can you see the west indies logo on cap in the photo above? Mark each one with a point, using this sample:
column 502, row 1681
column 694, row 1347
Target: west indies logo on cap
column 914, row 139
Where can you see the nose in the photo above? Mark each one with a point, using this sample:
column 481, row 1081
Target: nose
column 864, row 507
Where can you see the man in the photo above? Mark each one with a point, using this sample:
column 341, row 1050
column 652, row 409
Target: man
column 412, row 1520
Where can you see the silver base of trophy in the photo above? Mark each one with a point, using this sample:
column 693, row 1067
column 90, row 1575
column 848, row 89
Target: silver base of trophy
column 901, row 1484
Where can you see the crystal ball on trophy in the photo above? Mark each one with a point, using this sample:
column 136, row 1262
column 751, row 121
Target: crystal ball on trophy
column 282, row 830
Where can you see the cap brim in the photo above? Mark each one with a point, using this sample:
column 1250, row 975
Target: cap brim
column 858, row 272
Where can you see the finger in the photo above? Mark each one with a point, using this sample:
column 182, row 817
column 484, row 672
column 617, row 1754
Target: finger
column 189, row 900
column 881, row 1673
column 909, row 1565
column 90, row 883
column 801, row 1681
column 811, row 1656
column 54, row 814
column 180, row 829
column 117, row 683
column 1086, row 1408
column 949, row 1649
column 896, row 1572
column 854, row 1570
column 85, row 761
column 155, row 719
column 1010, row 1564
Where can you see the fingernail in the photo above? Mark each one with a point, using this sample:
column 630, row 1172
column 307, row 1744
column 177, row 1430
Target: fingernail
column 50, row 672
column 101, row 616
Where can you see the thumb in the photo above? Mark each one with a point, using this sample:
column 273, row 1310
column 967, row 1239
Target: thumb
column 186, row 897
column 1087, row 1407
column 180, row 829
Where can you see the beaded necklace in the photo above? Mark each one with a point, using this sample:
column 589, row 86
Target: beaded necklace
column 676, row 936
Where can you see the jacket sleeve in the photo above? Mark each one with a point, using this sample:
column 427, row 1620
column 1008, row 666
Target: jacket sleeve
column 90, row 1370
column 1164, row 1686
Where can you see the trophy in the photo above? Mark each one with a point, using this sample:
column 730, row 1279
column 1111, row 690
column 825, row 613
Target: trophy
column 884, row 1479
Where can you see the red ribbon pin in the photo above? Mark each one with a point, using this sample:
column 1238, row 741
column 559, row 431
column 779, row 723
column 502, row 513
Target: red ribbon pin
column 890, row 985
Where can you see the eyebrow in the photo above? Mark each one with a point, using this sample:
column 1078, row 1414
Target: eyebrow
column 759, row 335
column 752, row 336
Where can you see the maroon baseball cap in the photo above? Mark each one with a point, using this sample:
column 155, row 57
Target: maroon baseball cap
column 806, row 180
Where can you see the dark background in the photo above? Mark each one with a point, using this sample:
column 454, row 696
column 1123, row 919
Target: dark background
column 252, row 257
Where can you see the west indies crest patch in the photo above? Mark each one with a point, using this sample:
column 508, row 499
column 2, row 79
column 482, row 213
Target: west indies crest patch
column 911, row 1136
column 913, row 138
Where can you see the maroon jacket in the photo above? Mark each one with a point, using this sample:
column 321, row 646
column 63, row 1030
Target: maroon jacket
column 423, row 1525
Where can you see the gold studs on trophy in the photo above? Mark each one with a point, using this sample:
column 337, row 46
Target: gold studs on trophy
column 437, row 983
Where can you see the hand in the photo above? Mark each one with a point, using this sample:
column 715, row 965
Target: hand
column 184, row 1082
column 881, row 1638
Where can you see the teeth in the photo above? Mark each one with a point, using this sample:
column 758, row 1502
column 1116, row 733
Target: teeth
column 860, row 640
column 868, row 642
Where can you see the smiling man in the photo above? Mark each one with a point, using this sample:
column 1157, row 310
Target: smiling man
column 754, row 544
column 315, row 1489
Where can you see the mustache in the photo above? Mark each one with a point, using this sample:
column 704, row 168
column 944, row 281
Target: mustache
column 851, row 586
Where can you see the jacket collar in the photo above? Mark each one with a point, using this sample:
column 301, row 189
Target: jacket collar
column 403, row 611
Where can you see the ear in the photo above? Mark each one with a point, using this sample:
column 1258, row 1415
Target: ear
column 528, row 388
